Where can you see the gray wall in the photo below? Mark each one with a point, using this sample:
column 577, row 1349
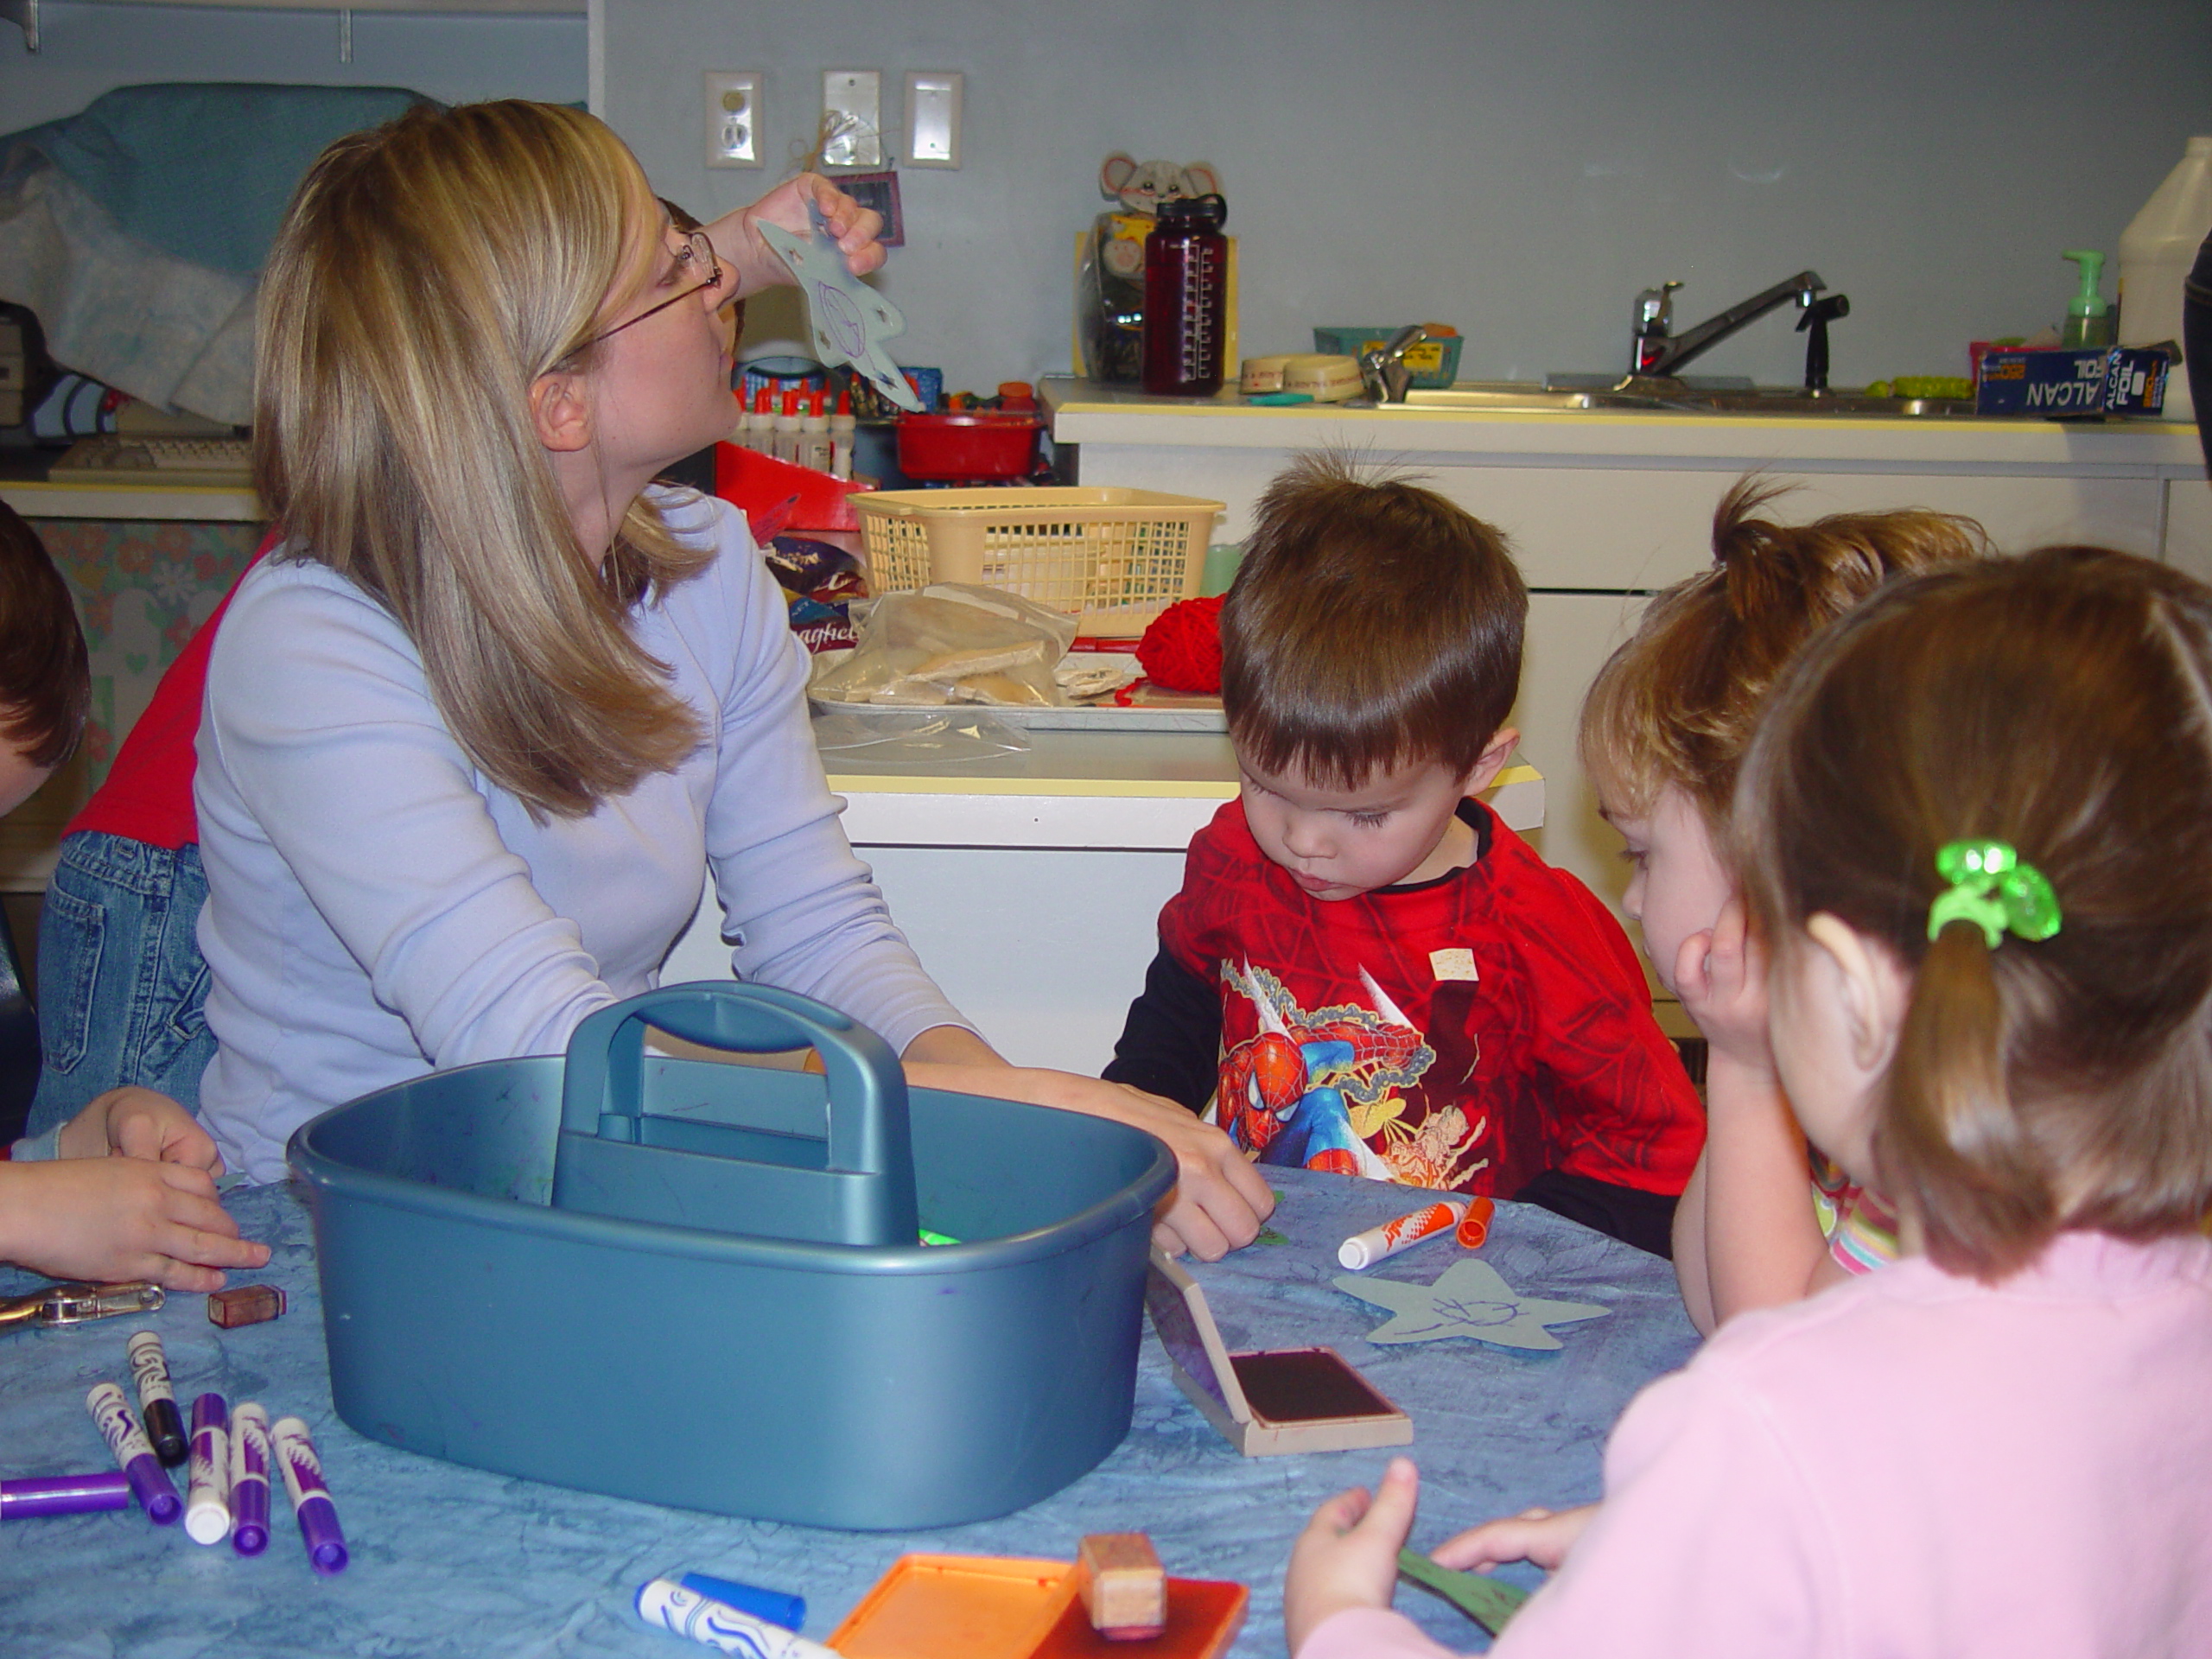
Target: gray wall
column 86, row 49
column 1517, row 169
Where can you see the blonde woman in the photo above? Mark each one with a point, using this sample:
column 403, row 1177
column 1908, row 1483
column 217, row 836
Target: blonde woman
column 477, row 730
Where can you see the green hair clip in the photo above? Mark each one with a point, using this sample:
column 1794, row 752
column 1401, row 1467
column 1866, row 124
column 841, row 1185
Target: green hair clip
column 1994, row 890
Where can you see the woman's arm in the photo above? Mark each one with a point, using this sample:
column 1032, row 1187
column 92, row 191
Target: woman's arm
column 738, row 244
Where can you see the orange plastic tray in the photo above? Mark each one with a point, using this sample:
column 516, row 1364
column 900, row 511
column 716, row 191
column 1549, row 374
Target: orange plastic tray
column 996, row 1607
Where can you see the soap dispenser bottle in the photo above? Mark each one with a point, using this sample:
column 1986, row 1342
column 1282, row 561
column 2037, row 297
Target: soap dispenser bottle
column 2089, row 321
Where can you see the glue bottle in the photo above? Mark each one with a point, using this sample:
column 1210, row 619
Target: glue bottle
column 786, row 438
column 842, row 429
column 2088, row 316
column 814, row 435
column 759, row 424
column 2156, row 251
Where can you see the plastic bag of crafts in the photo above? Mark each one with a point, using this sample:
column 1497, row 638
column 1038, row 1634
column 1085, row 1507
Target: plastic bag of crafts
column 953, row 643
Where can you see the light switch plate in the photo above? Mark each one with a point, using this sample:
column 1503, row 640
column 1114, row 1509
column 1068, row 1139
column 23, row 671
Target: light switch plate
column 733, row 123
column 856, row 94
column 933, row 99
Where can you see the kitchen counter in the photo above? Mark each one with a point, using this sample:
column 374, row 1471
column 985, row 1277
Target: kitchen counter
column 1604, row 507
column 1030, row 884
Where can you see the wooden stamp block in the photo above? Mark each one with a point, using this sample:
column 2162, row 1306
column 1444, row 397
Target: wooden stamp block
column 1124, row 1586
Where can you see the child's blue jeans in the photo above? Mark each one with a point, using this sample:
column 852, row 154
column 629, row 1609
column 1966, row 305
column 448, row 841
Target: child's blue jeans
column 121, row 981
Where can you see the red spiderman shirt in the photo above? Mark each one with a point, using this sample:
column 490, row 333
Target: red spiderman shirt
column 1481, row 1031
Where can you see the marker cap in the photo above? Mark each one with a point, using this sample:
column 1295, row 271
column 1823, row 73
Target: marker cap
column 64, row 1494
column 777, row 1606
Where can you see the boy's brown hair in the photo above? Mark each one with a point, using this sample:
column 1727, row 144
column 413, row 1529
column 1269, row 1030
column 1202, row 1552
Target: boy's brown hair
column 46, row 685
column 1372, row 625
column 1677, row 703
column 2061, row 703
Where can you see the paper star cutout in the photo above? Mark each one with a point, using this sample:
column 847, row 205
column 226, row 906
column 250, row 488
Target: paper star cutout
column 1469, row 1300
column 847, row 319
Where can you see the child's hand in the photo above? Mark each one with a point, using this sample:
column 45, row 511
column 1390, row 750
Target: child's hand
column 1721, row 977
column 112, row 1219
column 1543, row 1536
column 140, row 1123
column 1348, row 1554
column 758, row 266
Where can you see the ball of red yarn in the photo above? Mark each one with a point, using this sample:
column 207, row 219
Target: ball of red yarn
column 1181, row 651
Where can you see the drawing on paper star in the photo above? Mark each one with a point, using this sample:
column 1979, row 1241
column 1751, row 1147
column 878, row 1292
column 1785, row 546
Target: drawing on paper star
column 847, row 319
column 1467, row 1299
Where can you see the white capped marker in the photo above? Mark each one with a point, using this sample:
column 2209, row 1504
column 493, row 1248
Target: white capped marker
column 207, row 1496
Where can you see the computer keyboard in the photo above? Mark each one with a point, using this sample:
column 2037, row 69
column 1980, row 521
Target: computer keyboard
column 155, row 461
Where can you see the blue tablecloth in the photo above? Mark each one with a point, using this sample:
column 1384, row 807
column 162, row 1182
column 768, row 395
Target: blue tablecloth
column 452, row 1560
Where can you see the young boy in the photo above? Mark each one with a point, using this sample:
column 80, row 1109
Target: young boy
column 1365, row 970
column 126, row 1189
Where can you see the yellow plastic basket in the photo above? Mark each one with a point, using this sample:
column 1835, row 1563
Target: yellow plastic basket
column 1114, row 558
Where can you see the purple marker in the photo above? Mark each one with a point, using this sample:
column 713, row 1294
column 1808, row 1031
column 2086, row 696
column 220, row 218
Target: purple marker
column 64, row 1494
column 208, row 1494
column 250, row 1479
column 135, row 1454
column 318, row 1516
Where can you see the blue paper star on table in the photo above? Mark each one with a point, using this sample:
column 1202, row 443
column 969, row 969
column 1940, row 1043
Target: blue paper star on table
column 849, row 320
column 1468, row 1299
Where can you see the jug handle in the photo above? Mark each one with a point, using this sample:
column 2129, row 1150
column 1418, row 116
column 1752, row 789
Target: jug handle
column 602, row 1090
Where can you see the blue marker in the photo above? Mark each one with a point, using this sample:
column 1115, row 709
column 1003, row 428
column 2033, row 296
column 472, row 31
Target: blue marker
column 774, row 1605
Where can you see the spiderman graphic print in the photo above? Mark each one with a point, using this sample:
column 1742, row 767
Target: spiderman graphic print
column 1469, row 1033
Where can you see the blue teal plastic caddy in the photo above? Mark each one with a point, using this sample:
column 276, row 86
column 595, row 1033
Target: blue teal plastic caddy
column 699, row 1284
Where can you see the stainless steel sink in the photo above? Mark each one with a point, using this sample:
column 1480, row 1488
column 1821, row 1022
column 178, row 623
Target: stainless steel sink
column 1510, row 398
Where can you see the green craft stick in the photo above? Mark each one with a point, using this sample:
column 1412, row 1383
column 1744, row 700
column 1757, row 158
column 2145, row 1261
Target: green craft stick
column 1486, row 1601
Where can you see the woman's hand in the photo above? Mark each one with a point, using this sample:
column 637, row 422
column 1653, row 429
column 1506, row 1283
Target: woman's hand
column 110, row 1219
column 738, row 244
column 1219, row 1199
column 1348, row 1554
column 1543, row 1536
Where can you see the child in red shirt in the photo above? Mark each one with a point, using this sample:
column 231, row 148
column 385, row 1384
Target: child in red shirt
column 1365, row 970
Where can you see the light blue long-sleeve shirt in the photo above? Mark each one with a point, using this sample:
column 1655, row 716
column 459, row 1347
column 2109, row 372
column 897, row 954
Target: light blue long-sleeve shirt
column 377, row 909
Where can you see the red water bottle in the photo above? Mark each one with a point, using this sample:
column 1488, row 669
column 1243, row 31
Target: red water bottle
column 1185, row 299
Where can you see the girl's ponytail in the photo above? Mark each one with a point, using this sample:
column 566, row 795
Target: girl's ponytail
column 1949, row 1144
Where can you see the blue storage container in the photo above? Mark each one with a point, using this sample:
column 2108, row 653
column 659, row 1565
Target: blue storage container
column 698, row 1284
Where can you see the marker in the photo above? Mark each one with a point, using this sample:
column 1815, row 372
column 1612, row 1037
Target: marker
column 64, row 1494
column 208, row 1494
column 134, row 1454
column 1365, row 1250
column 250, row 1479
column 149, row 1374
column 774, row 1605
column 317, row 1514
column 667, row 1605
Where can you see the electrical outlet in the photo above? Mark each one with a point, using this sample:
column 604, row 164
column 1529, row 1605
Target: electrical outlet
column 732, row 131
column 856, row 95
column 933, row 98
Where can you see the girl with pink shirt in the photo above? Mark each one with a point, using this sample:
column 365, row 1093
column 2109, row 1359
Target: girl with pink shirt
column 1974, row 834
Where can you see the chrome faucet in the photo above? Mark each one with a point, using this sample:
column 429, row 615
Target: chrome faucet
column 1656, row 351
column 1384, row 369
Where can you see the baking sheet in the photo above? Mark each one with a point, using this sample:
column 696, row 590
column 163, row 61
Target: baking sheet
column 1088, row 717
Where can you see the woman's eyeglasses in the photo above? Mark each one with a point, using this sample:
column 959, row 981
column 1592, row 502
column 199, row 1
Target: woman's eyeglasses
column 696, row 254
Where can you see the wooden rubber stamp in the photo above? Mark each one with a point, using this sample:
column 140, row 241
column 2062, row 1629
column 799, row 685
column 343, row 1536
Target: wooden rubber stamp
column 1124, row 1586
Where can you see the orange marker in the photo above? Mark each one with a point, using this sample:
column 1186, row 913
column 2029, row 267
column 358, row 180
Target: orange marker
column 1474, row 1226
column 1365, row 1250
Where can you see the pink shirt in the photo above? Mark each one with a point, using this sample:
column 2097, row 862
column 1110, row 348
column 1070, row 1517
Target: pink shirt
column 1910, row 1463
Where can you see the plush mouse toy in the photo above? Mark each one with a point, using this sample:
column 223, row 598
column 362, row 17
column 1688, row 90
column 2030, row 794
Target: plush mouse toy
column 1140, row 187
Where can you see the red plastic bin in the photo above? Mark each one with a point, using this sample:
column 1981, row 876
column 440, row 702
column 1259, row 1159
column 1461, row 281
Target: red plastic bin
column 986, row 443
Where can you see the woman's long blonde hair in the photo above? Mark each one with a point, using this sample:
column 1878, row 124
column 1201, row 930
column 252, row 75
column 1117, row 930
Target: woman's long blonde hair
column 2061, row 704
column 428, row 272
